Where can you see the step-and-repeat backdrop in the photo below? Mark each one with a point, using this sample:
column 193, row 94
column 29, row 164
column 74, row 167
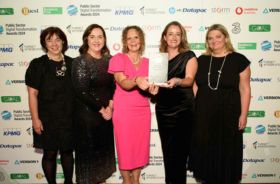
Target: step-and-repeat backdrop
column 254, row 28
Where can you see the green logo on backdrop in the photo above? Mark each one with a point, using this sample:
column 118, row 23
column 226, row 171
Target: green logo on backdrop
column 59, row 176
column 259, row 28
column 197, row 46
column 258, row 114
column 52, row 10
column 6, row 99
column 247, row 46
column 19, row 176
column 6, row 11
column 247, row 130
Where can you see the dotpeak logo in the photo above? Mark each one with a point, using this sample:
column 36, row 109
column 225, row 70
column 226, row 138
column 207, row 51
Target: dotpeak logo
column 6, row 115
column 260, row 129
column 266, row 45
column 72, row 10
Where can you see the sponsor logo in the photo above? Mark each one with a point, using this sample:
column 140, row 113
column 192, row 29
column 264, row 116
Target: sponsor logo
column 1, row 29
column 271, row 10
column 254, row 175
column 273, row 129
column 19, row 176
column 257, row 144
column 6, row 11
column 152, row 11
column 6, row 115
column 7, row 99
column 72, row 10
column 39, row 176
column 247, row 46
column 74, row 29
column 116, row 46
column 219, row 10
column 275, row 160
column 149, row 176
column 197, row 46
column 247, row 129
column 276, row 45
column 6, row 64
column 27, row 11
column 256, row 114
column 59, row 176
column 4, row 162
column 172, row 10
column 259, row 28
column 24, row 47
column 22, row 115
column 11, row 132
column 268, row 63
column 236, row 28
column 261, row 98
column 260, row 129
column 261, row 80
column 124, row 11
column 253, row 160
column 266, row 45
column 154, row 130
column 29, row 131
column 18, row 29
column 6, row 48
column 277, row 113
column 73, row 47
column 52, row 10
column 9, row 82
column 240, row 10
column 18, row 162
column 194, row 10
column 23, row 63
column 10, row 146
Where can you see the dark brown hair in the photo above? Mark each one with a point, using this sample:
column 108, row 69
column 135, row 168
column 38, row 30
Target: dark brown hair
column 84, row 48
column 48, row 33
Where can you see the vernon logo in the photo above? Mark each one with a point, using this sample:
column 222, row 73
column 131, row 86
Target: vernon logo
column 6, row 11
column 52, row 10
column 259, row 28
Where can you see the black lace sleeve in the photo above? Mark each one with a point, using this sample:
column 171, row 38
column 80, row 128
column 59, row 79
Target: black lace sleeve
column 81, row 83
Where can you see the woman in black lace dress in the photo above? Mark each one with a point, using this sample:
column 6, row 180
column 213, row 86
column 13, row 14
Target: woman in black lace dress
column 94, row 87
column 174, row 105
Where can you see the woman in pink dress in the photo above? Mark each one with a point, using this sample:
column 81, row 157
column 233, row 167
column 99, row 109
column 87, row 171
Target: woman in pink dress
column 131, row 115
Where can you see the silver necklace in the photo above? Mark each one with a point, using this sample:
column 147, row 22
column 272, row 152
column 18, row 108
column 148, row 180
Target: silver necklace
column 219, row 74
column 60, row 71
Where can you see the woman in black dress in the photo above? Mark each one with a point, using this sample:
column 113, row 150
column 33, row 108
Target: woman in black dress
column 174, row 104
column 94, row 87
column 50, row 102
column 222, row 102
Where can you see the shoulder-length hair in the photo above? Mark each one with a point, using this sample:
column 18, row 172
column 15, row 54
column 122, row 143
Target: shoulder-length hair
column 223, row 30
column 184, row 45
column 84, row 48
column 141, row 36
column 48, row 33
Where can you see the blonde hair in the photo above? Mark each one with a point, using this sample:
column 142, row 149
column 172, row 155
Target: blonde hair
column 224, row 31
column 184, row 45
column 141, row 36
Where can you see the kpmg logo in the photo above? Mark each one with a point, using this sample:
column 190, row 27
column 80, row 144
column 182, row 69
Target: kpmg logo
column 6, row 115
column 266, row 45
column 72, row 10
column 124, row 11
column 11, row 132
column 6, row 48
column 260, row 129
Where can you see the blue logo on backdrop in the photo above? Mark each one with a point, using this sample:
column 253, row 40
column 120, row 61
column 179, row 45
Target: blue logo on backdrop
column 266, row 45
column 1, row 29
column 6, row 115
column 260, row 129
column 172, row 10
column 72, row 10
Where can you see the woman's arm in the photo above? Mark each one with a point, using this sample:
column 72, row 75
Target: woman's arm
column 245, row 96
column 33, row 106
column 129, row 84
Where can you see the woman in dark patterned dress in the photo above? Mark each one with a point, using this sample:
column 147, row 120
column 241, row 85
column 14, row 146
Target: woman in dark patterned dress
column 94, row 87
column 48, row 79
column 222, row 102
column 174, row 104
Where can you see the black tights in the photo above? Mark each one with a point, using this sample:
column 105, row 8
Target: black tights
column 49, row 165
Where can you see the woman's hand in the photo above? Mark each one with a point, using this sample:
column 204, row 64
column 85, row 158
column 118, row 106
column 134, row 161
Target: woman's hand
column 153, row 89
column 242, row 122
column 142, row 83
column 106, row 113
column 37, row 126
column 173, row 82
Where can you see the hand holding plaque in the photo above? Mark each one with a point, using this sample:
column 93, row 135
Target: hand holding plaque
column 158, row 69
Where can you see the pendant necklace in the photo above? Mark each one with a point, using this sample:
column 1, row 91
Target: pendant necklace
column 219, row 74
column 60, row 71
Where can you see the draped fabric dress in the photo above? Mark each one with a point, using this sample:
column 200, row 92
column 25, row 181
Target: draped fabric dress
column 94, row 150
column 217, row 147
column 55, row 103
column 174, row 113
column 131, row 116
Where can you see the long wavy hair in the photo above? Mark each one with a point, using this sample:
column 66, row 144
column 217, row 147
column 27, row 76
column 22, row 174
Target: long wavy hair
column 184, row 45
column 84, row 48
column 224, row 31
column 141, row 36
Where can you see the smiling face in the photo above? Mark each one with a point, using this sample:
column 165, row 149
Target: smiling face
column 173, row 37
column 133, row 40
column 96, row 41
column 54, row 45
column 216, row 40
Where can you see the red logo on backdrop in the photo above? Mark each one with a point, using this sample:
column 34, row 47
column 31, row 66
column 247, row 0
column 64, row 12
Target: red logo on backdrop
column 239, row 10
